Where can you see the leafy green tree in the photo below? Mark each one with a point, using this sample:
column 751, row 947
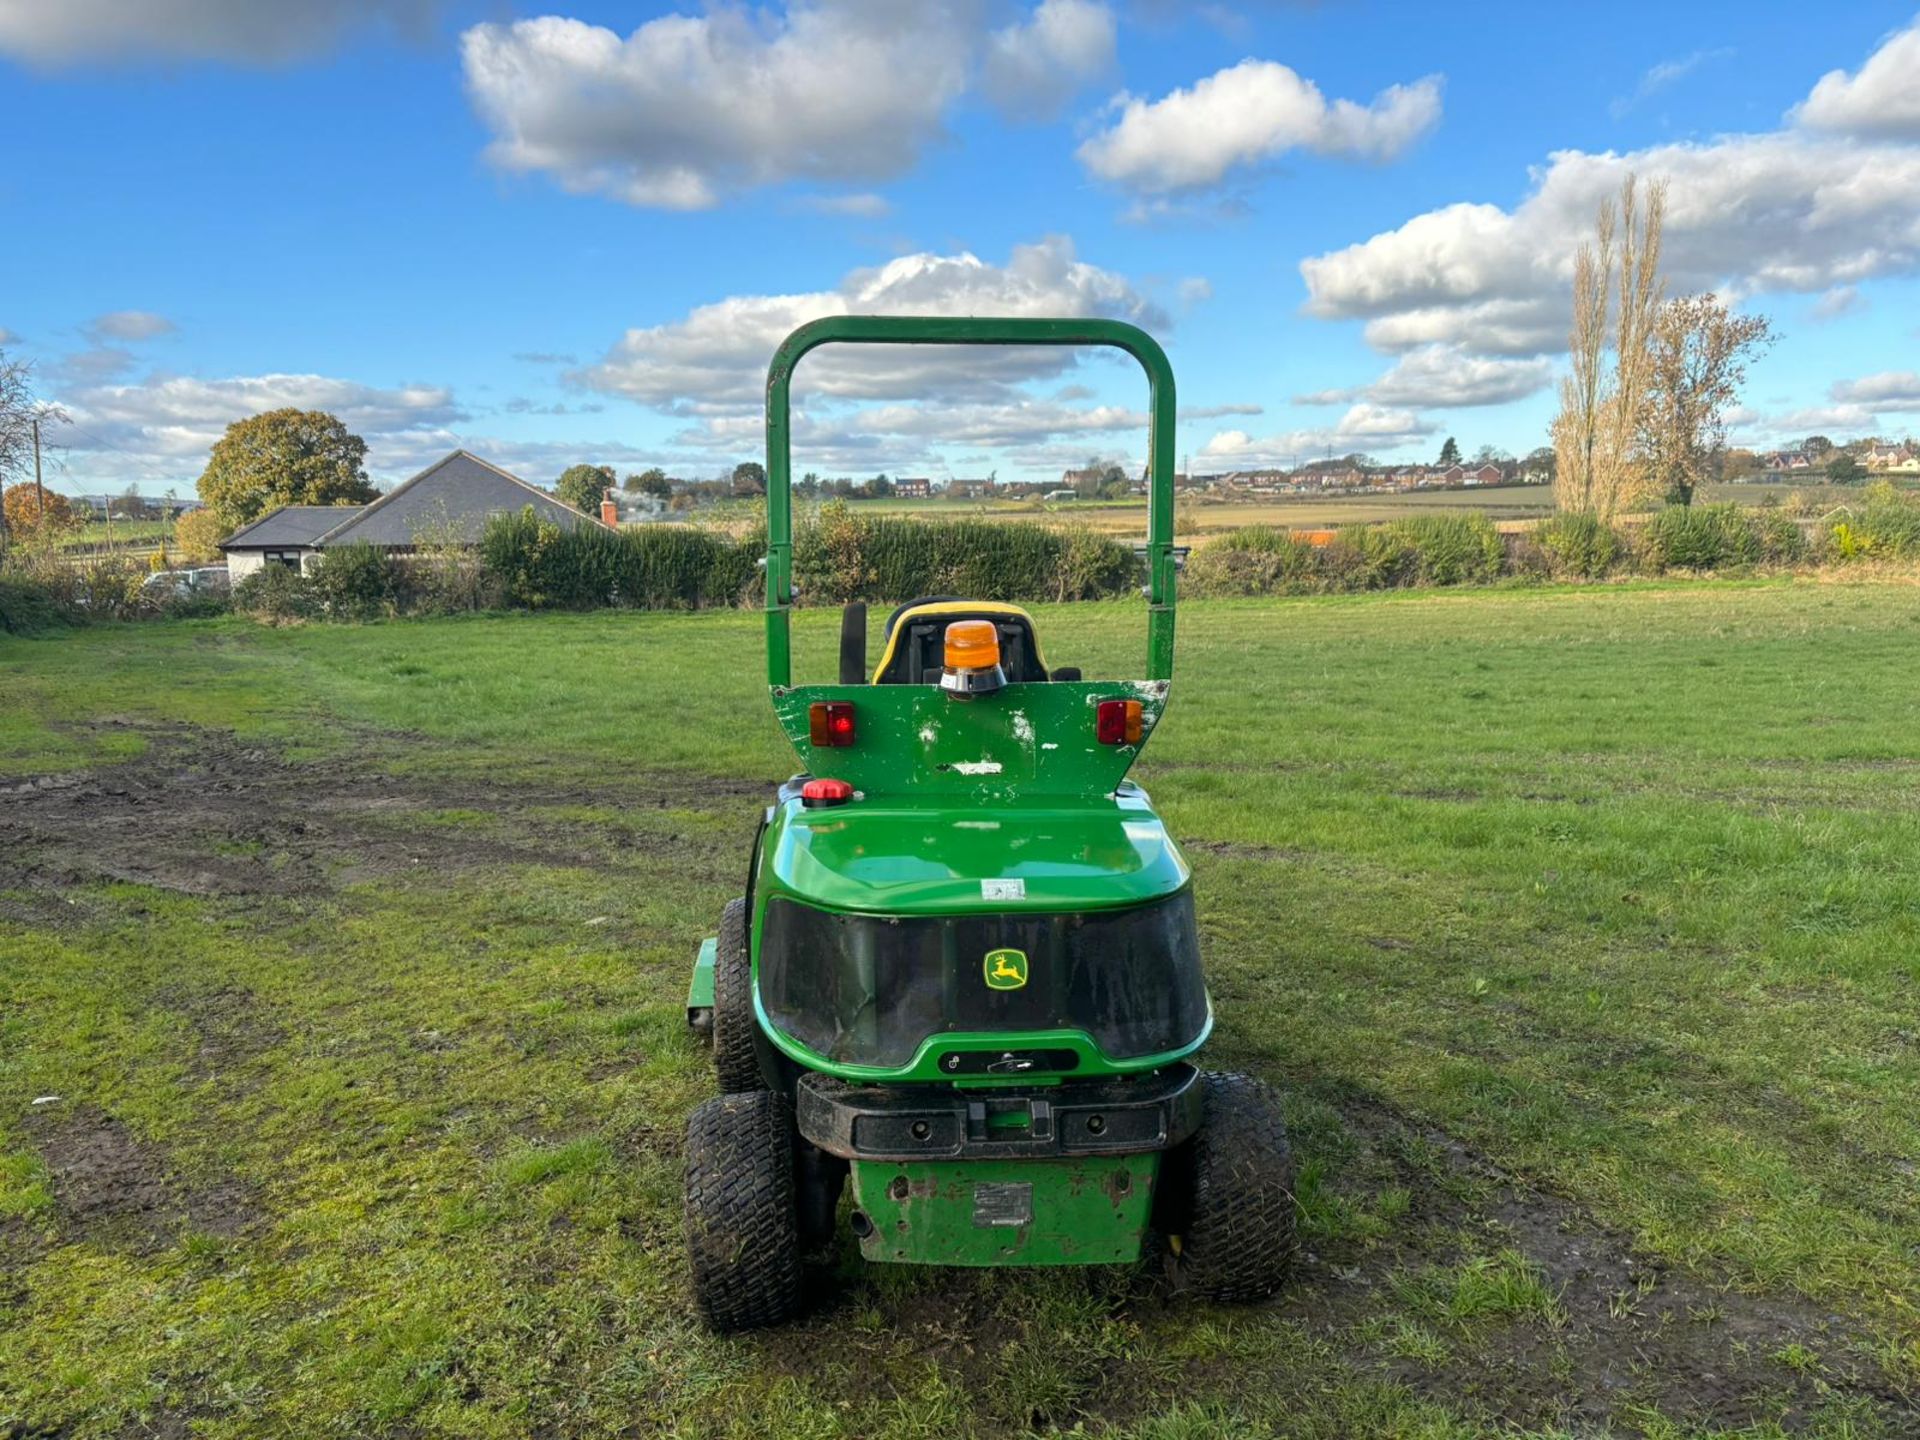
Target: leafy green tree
column 651, row 482
column 1450, row 452
column 583, row 487
column 749, row 478
column 1843, row 469
column 283, row 457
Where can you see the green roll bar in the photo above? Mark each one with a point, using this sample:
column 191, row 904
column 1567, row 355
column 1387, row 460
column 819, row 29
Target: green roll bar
column 969, row 330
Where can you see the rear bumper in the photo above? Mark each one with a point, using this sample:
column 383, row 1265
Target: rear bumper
column 1121, row 1116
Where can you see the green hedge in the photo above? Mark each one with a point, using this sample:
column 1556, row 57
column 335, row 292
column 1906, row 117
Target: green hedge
column 837, row 557
column 1420, row 550
column 843, row 556
column 1886, row 526
column 1465, row 549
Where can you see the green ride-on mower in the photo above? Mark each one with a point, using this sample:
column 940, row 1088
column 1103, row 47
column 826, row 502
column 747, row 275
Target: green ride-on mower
column 965, row 976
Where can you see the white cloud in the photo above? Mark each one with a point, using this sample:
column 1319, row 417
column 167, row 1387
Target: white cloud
column 1253, row 112
column 1794, row 210
column 1882, row 98
column 1219, row 412
column 1445, row 377
column 1366, row 428
column 686, row 109
column 129, row 325
column 713, row 361
column 1833, row 420
column 1010, row 423
column 161, row 429
column 1034, row 66
column 1839, row 301
column 56, row 32
column 1780, row 212
column 1664, row 74
column 1889, row 390
column 859, row 206
column 157, row 432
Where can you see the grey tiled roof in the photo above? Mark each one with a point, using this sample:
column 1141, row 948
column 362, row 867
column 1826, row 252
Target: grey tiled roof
column 458, row 495
column 290, row 525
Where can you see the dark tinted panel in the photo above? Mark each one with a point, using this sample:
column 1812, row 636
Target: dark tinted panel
column 867, row 991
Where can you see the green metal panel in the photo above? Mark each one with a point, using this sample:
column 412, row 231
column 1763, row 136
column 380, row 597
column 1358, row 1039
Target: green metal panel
column 970, row 330
column 700, row 991
column 899, row 857
column 1023, row 741
column 1081, row 1211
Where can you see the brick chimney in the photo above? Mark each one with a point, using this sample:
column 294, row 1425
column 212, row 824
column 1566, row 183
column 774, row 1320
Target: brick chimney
column 609, row 511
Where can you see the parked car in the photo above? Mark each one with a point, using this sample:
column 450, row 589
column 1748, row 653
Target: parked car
column 184, row 584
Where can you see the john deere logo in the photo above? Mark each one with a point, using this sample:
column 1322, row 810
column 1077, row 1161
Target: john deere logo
column 1006, row 969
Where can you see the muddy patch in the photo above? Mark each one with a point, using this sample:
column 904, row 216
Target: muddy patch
column 204, row 814
column 1627, row 1332
column 231, row 1026
column 112, row 1188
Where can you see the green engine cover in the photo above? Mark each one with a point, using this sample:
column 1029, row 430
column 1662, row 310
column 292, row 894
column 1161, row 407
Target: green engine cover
column 1085, row 1211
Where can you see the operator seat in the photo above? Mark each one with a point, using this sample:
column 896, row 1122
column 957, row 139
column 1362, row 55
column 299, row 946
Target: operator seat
column 916, row 635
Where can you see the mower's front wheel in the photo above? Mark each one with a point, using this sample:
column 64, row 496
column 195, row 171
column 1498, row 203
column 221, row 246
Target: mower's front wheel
column 736, row 1058
column 1230, row 1203
column 743, row 1233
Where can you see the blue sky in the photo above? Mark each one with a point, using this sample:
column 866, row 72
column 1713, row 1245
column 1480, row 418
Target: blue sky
column 576, row 234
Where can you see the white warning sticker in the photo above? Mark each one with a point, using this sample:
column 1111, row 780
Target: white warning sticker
column 1003, row 889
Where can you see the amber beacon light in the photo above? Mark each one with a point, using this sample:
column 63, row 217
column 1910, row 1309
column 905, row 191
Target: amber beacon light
column 972, row 659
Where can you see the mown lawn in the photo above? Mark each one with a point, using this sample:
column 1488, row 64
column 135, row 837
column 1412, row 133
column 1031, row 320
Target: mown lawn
column 343, row 1068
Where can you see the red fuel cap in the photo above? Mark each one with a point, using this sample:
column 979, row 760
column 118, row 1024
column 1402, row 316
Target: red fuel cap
column 826, row 792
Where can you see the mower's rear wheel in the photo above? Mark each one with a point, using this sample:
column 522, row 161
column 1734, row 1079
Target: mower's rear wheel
column 743, row 1236
column 1231, row 1200
column 736, row 1057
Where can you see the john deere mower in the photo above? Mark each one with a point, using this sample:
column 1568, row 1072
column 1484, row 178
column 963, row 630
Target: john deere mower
column 965, row 977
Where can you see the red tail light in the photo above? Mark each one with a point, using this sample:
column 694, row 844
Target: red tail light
column 831, row 722
column 1117, row 722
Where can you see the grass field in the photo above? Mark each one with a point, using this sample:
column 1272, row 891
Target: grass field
column 100, row 536
column 1580, row 928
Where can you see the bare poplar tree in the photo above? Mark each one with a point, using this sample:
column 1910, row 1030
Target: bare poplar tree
column 1697, row 360
column 1576, row 430
column 1640, row 292
column 1596, row 430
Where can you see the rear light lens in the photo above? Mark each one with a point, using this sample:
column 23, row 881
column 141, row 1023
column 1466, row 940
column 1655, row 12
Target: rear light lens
column 1117, row 722
column 830, row 723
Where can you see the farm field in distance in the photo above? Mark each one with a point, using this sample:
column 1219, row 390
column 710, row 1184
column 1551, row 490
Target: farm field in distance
column 1199, row 518
column 1579, row 927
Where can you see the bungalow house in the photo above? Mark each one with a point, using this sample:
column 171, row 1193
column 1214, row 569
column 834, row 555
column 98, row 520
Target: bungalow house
column 449, row 501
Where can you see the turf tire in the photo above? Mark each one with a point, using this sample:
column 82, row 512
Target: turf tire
column 743, row 1237
column 1237, row 1202
column 736, row 1053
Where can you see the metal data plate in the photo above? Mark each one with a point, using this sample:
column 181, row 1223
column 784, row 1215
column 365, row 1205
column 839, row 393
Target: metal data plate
column 1003, row 1204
